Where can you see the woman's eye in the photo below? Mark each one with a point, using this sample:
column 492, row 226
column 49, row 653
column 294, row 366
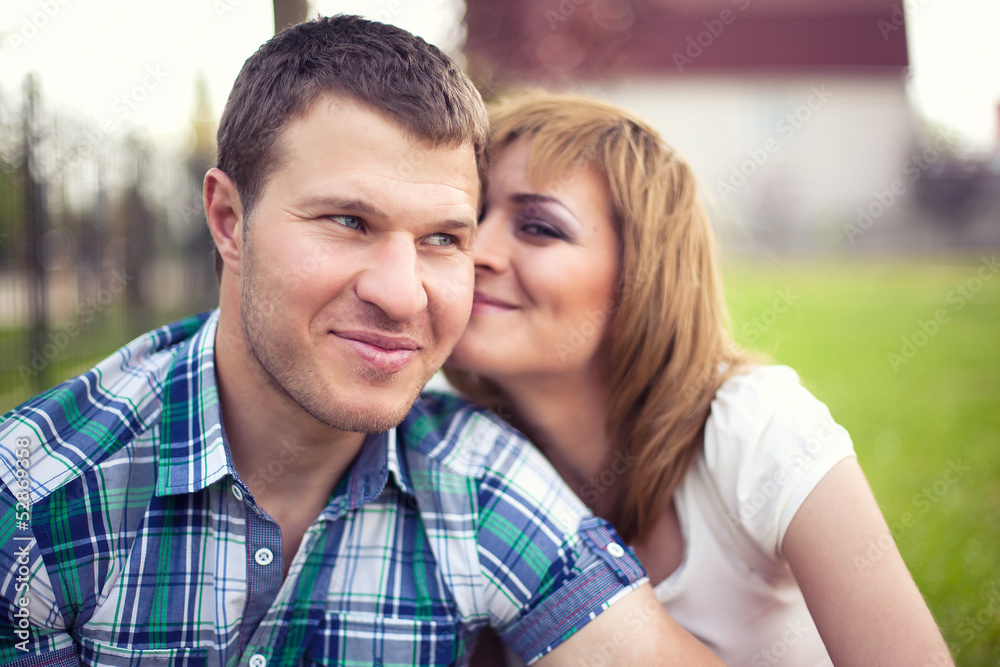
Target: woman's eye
column 539, row 228
column 350, row 221
column 441, row 239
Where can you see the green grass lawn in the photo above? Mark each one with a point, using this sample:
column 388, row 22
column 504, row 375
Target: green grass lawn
column 907, row 356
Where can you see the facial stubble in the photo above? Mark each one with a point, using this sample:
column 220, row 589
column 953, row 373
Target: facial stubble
column 298, row 376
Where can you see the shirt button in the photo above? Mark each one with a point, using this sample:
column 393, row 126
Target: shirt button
column 264, row 557
column 616, row 550
column 237, row 492
column 257, row 660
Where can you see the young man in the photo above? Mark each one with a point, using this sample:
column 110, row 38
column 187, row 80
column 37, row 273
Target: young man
column 208, row 494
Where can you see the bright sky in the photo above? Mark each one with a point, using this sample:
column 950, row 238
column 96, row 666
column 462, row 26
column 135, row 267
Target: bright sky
column 134, row 63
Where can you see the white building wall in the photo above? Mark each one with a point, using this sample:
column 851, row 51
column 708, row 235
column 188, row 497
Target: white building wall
column 783, row 160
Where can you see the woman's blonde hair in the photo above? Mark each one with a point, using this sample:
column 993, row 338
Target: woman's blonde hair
column 667, row 339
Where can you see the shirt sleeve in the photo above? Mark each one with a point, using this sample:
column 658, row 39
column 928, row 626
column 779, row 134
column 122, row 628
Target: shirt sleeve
column 31, row 629
column 768, row 443
column 550, row 566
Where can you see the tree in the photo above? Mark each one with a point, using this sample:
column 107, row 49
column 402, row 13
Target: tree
column 289, row 12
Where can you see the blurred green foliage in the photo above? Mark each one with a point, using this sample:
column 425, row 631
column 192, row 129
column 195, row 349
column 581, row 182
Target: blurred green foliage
column 11, row 203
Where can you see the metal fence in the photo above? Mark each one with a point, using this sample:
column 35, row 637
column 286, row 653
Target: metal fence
column 102, row 237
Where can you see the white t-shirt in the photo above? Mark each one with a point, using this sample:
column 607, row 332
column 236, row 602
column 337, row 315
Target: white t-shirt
column 768, row 442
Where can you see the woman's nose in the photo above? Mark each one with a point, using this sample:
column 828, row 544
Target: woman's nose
column 493, row 243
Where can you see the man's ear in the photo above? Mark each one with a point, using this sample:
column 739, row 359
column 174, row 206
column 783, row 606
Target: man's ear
column 224, row 214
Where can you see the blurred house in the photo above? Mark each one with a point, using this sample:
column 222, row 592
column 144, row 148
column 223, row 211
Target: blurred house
column 793, row 113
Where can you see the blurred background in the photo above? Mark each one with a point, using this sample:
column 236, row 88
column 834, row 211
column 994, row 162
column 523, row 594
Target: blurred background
column 848, row 150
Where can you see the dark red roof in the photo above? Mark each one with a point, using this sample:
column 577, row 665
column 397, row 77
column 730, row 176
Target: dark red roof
column 599, row 39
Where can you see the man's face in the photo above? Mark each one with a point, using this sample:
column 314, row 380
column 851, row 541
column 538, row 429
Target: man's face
column 357, row 270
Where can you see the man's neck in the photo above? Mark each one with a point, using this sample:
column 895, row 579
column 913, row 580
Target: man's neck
column 290, row 461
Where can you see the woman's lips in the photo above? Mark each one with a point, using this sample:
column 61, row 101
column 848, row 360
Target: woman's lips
column 481, row 303
column 386, row 354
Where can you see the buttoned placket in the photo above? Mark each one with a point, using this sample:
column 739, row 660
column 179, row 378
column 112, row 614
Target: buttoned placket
column 260, row 648
column 263, row 568
column 265, row 590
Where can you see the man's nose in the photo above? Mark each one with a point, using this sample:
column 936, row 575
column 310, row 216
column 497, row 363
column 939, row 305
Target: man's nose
column 392, row 278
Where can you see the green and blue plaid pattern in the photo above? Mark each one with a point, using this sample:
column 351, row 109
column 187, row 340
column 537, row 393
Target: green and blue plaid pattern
column 127, row 537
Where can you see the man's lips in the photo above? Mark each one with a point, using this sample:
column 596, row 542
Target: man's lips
column 482, row 303
column 384, row 353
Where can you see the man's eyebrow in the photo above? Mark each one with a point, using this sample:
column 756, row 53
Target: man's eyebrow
column 355, row 205
column 472, row 228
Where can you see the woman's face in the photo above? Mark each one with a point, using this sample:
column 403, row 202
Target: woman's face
column 547, row 261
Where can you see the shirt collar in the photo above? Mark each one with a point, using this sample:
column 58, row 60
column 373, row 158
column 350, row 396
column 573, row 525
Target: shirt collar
column 192, row 450
column 378, row 459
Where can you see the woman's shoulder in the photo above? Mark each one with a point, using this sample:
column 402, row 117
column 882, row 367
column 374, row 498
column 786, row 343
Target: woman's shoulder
column 759, row 386
column 763, row 397
column 768, row 441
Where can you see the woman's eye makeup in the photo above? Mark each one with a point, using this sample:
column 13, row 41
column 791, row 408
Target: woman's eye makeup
column 532, row 221
column 537, row 227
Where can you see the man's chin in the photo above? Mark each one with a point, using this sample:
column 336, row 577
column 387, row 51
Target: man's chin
column 367, row 419
column 372, row 410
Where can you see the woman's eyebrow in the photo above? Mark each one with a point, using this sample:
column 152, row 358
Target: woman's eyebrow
column 534, row 198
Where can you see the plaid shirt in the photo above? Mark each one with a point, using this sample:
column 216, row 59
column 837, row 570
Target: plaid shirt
column 127, row 537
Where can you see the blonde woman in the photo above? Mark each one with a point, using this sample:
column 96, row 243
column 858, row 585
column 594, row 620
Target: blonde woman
column 599, row 329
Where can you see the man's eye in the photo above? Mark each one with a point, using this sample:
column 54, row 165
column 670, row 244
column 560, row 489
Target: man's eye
column 351, row 221
column 441, row 239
